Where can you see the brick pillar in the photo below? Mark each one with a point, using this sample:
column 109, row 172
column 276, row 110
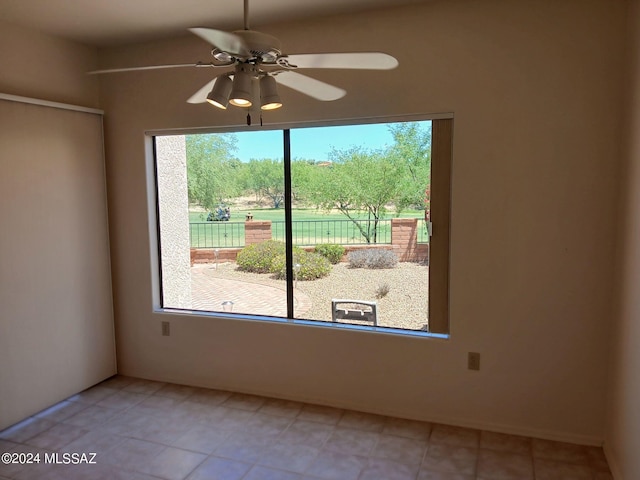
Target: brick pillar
column 256, row 231
column 404, row 238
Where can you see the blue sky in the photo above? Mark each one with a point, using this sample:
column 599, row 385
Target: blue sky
column 311, row 143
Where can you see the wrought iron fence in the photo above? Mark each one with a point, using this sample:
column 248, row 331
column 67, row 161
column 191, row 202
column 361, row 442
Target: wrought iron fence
column 305, row 232
column 216, row 234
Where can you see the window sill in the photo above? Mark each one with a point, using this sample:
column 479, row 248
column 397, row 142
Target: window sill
column 305, row 323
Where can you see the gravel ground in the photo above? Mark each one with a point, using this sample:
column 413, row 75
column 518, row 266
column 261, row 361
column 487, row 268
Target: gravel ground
column 405, row 306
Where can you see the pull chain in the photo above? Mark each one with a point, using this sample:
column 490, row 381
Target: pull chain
column 249, row 119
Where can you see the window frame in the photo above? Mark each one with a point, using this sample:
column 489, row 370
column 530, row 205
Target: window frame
column 440, row 217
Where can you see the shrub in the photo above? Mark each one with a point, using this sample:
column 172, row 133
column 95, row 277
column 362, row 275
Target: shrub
column 259, row 257
column 382, row 290
column 372, row 258
column 331, row 252
column 312, row 265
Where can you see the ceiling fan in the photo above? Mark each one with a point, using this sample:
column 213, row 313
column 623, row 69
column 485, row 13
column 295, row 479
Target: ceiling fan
column 254, row 59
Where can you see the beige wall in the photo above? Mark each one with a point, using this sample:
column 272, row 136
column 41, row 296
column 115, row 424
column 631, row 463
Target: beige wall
column 535, row 89
column 56, row 319
column 622, row 437
column 42, row 66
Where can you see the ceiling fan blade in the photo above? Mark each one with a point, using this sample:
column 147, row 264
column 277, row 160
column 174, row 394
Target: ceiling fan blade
column 225, row 41
column 150, row 67
column 361, row 60
column 310, row 86
column 201, row 95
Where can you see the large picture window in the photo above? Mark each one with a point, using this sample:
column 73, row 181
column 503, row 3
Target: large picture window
column 332, row 224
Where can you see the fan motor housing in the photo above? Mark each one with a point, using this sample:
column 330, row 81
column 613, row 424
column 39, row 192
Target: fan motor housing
column 262, row 46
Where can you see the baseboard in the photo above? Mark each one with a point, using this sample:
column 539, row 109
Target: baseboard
column 411, row 415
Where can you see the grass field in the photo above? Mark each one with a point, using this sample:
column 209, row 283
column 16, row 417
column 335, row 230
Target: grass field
column 310, row 227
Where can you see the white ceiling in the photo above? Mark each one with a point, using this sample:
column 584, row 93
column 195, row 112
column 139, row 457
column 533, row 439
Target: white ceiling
column 119, row 22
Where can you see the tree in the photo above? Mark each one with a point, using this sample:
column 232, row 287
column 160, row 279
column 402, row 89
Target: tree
column 211, row 169
column 411, row 152
column 367, row 181
column 358, row 181
column 266, row 179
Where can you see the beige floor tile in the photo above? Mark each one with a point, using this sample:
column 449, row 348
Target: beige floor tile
column 26, row 429
column 263, row 424
column 131, row 454
column 209, row 397
column 179, row 392
column 337, row 466
column 451, row 459
column 172, row 464
column 281, row 408
column 91, row 416
column 320, row 414
column 362, row 421
column 104, row 472
column 406, row 450
column 384, row 469
column 430, row 475
column 553, row 470
column 163, row 431
column 450, row 435
column 260, row 472
column 228, row 418
column 407, row 428
column 493, row 465
column 294, row 458
column 216, row 468
column 146, row 387
column 6, row 445
column 560, row 451
column 146, row 430
column 118, row 382
column 93, row 395
column 56, row 437
column 505, row 443
column 307, row 433
column 352, row 442
column 243, row 401
column 201, row 438
column 95, row 441
column 61, row 411
column 42, row 471
column 156, row 406
column 246, row 448
column 121, row 400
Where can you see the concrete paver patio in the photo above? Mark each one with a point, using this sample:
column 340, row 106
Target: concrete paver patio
column 208, row 292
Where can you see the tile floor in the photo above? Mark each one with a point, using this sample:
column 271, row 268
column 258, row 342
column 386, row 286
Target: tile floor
column 144, row 430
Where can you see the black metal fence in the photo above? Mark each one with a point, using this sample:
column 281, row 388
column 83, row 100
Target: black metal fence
column 216, row 234
column 305, row 232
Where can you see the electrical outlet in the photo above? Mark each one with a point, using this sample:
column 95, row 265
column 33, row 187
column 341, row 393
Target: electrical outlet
column 166, row 331
column 473, row 361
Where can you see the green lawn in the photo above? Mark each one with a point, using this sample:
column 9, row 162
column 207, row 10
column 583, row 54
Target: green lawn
column 310, row 226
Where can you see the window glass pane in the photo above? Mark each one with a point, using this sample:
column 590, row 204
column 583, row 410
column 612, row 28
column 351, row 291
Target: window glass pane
column 361, row 199
column 220, row 193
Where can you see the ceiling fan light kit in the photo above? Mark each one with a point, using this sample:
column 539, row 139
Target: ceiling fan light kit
column 257, row 59
column 269, row 98
column 241, row 91
column 219, row 95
